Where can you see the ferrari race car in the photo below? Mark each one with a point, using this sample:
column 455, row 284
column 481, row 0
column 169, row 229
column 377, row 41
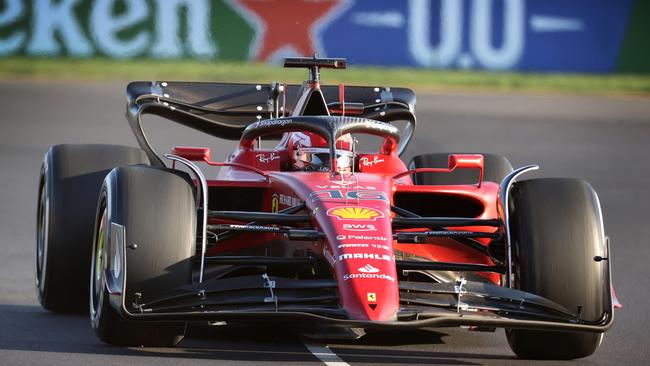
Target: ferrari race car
column 316, row 232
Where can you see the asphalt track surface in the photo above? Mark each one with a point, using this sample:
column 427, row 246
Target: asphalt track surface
column 601, row 139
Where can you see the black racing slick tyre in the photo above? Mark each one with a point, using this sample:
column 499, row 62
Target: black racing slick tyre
column 557, row 232
column 495, row 168
column 145, row 231
column 70, row 180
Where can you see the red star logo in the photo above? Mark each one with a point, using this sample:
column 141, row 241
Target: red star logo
column 287, row 23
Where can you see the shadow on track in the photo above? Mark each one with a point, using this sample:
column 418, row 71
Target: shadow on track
column 31, row 328
column 381, row 346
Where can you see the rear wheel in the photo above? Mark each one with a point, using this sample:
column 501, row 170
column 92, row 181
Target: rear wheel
column 556, row 233
column 154, row 211
column 71, row 177
column 495, row 168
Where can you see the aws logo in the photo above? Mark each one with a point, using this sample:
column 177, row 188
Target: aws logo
column 359, row 227
column 355, row 213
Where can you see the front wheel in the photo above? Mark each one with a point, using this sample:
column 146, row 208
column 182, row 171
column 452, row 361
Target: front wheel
column 557, row 231
column 154, row 211
column 70, row 180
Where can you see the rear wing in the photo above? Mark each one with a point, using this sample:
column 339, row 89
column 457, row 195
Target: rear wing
column 224, row 110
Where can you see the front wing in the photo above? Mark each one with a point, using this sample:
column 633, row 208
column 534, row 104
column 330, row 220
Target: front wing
column 274, row 299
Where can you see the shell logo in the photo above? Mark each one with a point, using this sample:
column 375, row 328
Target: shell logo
column 355, row 213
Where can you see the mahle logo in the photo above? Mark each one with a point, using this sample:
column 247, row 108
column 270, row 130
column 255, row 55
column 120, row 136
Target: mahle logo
column 380, row 257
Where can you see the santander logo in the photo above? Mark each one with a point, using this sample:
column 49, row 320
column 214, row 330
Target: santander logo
column 368, row 269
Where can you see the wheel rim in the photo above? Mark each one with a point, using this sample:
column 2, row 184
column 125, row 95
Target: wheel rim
column 99, row 264
column 41, row 234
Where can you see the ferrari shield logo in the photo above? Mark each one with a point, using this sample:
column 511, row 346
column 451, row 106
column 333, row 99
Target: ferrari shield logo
column 275, row 202
column 372, row 297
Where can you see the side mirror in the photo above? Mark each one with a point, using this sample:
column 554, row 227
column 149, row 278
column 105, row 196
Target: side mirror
column 467, row 161
column 192, row 153
column 460, row 161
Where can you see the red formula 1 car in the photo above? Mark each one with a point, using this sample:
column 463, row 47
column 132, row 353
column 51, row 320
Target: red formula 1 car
column 315, row 232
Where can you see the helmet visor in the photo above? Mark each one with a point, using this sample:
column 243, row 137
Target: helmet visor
column 320, row 157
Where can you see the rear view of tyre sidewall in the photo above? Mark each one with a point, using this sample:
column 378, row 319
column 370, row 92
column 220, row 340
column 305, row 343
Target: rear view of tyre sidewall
column 157, row 211
column 70, row 180
column 557, row 231
column 42, row 239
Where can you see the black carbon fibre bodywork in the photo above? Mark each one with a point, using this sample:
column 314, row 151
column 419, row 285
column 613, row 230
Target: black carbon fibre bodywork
column 224, row 110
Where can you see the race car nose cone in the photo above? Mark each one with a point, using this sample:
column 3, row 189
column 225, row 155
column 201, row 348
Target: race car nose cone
column 361, row 246
column 368, row 292
column 356, row 218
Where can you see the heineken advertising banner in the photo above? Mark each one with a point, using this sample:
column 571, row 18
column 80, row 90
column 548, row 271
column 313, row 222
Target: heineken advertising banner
column 525, row 35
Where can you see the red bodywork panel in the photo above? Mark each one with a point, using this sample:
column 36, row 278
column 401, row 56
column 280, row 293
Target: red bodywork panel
column 354, row 213
column 361, row 246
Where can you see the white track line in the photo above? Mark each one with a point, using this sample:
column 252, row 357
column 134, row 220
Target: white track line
column 323, row 353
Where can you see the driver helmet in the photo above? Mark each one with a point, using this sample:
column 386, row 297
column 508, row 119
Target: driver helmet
column 310, row 152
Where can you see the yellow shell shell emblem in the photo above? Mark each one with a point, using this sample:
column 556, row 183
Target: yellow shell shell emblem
column 355, row 213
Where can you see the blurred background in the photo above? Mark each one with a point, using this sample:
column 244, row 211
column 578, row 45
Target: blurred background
column 602, row 36
column 561, row 83
column 558, row 44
